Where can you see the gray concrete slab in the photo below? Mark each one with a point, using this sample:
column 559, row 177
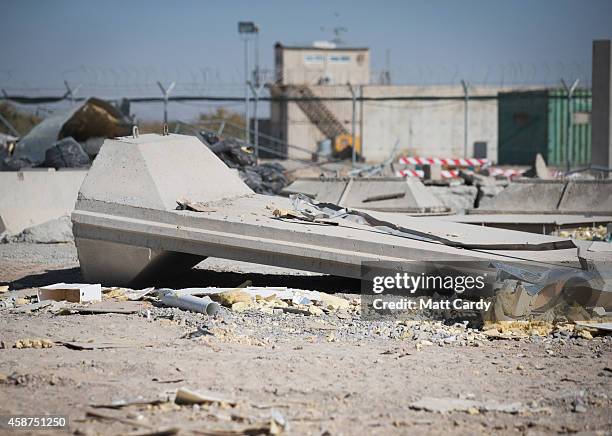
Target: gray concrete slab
column 137, row 228
column 34, row 196
column 402, row 195
column 545, row 224
column 587, row 196
column 524, row 197
column 584, row 197
column 324, row 189
column 389, row 194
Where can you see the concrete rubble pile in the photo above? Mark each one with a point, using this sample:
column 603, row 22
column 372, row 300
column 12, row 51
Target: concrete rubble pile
column 67, row 138
column 265, row 178
column 54, row 231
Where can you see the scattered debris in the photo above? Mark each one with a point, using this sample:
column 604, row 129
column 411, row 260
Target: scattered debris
column 73, row 345
column 32, row 307
column 187, row 396
column 126, row 294
column 599, row 233
column 268, row 299
column 33, row 343
column 189, row 302
column 73, row 292
column 119, row 404
column 184, row 204
column 578, row 405
column 104, row 416
column 603, row 326
column 121, row 307
column 444, row 405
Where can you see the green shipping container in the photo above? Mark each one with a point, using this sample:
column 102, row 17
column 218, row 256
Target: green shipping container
column 533, row 122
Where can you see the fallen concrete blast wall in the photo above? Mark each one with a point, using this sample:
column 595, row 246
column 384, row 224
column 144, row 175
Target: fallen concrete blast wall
column 32, row 197
column 127, row 229
column 589, row 197
column 385, row 194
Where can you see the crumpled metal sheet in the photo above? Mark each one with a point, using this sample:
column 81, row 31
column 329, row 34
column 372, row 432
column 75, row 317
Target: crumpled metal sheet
column 316, row 211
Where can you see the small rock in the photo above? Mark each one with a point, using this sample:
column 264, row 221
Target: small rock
column 579, row 406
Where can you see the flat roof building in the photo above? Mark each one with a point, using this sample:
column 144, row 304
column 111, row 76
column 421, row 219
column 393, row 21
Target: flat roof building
column 321, row 64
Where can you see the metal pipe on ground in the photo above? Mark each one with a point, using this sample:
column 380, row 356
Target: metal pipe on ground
column 188, row 302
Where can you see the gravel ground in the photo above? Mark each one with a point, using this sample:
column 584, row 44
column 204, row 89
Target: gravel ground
column 331, row 373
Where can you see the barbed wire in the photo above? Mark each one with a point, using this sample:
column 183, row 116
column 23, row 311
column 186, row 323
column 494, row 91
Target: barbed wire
column 141, row 80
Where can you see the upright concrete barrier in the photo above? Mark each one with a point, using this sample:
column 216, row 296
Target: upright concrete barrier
column 32, row 197
column 588, row 197
column 385, row 194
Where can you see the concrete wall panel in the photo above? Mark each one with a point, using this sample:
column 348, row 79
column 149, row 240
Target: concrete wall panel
column 29, row 198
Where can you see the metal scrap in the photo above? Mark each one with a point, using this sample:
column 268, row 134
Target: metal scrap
column 317, row 211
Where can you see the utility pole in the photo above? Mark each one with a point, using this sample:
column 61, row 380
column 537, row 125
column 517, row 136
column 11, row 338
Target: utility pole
column 9, row 126
column 256, row 70
column 71, row 93
column 256, row 90
column 568, row 133
column 466, row 99
column 361, row 145
column 247, row 115
column 353, row 144
column 246, row 28
column 166, row 95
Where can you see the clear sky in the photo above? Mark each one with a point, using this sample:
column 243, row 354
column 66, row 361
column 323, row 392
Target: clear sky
column 116, row 48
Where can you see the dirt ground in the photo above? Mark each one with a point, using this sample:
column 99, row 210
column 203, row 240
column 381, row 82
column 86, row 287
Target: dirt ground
column 329, row 374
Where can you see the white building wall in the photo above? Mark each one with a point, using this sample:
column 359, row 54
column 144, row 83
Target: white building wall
column 312, row 65
column 428, row 128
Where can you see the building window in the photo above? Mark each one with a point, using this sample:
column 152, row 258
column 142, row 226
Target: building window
column 339, row 59
column 314, row 59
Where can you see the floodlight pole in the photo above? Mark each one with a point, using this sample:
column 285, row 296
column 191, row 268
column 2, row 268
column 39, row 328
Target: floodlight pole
column 247, row 28
column 256, row 90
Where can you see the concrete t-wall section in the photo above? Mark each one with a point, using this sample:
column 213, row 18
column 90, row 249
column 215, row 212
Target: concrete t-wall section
column 601, row 153
column 32, row 197
column 423, row 127
column 146, row 238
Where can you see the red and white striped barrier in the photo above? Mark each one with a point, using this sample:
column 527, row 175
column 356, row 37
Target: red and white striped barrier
column 469, row 162
column 419, row 173
column 510, row 173
column 449, row 174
